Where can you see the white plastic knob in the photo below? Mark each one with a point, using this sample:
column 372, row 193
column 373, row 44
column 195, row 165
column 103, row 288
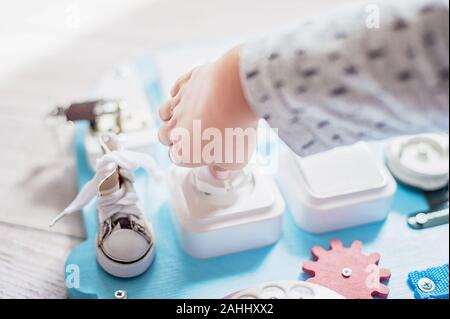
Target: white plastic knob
column 420, row 161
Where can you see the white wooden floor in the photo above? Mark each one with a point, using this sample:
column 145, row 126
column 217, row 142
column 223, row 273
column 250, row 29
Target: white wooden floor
column 54, row 51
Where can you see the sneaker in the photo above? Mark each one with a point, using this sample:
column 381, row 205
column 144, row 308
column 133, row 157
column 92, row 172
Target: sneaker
column 125, row 241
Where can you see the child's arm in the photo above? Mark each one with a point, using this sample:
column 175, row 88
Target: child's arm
column 333, row 81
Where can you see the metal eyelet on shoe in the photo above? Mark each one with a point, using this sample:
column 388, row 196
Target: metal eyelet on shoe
column 106, row 231
column 137, row 227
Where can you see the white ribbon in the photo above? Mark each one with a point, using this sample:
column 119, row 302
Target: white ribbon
column 125, row 199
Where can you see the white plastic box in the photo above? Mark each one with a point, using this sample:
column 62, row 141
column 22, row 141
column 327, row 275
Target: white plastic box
column 207, row 230
column 337, row 189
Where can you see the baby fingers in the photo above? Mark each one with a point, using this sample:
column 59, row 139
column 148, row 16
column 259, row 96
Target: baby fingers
column 180, row 82
column 164, row 132
column 166, row 110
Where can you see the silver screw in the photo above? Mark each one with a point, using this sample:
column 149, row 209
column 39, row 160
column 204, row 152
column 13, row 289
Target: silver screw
column 426, row 285
column 346, row 272
column 120, row 294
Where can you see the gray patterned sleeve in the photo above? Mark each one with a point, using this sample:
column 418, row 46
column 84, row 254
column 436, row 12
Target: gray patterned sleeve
column 340, row 78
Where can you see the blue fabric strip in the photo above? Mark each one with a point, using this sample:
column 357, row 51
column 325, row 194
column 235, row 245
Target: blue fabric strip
column 438, row 275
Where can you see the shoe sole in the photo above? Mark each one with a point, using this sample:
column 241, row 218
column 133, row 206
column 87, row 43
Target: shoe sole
column 125, row 270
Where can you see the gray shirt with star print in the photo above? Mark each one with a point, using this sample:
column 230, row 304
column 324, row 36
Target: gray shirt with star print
column 369, row 71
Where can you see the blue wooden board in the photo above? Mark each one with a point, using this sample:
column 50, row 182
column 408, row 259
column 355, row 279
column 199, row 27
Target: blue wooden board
column 177, row 275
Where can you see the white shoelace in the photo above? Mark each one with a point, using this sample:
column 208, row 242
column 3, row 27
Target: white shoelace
column 124, row 200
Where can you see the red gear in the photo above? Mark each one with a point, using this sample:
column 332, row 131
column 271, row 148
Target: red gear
column 348, row 271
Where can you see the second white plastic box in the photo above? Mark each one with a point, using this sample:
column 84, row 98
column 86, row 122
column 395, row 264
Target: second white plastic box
column 345, row 187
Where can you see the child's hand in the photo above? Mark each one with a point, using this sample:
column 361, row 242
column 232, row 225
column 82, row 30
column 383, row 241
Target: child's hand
column 212, row 94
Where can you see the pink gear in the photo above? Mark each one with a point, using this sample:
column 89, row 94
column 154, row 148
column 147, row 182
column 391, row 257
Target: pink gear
column 348, row 271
